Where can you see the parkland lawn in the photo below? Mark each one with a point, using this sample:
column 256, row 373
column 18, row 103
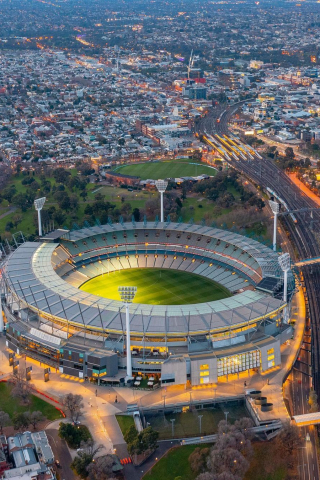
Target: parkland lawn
column 12, row 405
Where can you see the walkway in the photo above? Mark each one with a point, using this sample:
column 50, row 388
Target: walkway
column 99, row 410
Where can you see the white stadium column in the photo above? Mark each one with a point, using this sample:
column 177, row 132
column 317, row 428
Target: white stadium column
column 127, row 295
column 161, row 186
column 275, row 207
column 38, row 203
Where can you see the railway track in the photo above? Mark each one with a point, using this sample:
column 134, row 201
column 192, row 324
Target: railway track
column 266, row 174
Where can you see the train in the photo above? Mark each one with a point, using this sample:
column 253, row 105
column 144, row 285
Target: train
column 275, row 195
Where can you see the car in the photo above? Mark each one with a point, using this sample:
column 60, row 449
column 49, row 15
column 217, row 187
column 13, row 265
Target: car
column 308, row 437
column 58, row 464
column 76, row 422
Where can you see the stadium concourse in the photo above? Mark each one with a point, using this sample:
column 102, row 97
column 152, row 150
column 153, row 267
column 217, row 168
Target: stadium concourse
column 49, row 318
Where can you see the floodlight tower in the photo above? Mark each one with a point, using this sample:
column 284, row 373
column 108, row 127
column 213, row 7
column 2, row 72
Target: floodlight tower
column 275, row 207
column 127, row 295
column 161, row 186
column 38, row 203
column 284, row 262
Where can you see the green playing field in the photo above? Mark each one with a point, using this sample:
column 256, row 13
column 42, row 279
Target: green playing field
column 157, row 286
column 155, row 170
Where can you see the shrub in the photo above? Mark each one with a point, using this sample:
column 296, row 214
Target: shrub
column 74, row 434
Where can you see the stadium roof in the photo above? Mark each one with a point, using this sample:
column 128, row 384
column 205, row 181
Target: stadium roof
column 30, row 272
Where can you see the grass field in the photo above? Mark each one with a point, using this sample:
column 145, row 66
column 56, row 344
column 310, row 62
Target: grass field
column 11, row 405
column 157, row 286
column 187, row 424
column 125, row 422
column 174, row 465
column 170, row 169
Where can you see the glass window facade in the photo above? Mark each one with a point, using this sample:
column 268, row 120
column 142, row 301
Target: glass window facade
column 238, row 363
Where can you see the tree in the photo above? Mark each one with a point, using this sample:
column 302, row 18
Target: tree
column 101, row 468
column 136, row 214
column 289, row 153
column 198, row 459
column 131, row 434
column 20, row 421
column 80, row 464
column 59, row 217
column 61, row 175
column 4, row 420
column 307, row 163
column 73, row 404
column 21, row 388
column 149, row 438
column 85, row 457
column 288, row 442
column 126, row 208
column 35, row 418
column 73, row 435
column 141, row 442
column 228, row 460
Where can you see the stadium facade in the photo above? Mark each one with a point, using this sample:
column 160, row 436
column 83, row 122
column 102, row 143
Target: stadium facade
column 50, row 319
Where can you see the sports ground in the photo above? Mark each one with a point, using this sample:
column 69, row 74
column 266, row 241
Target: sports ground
column 164, row 169
column 157, row 286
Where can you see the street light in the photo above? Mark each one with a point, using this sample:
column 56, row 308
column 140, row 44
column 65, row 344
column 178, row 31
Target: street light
column 161, row 186
column 172, row 420
column 200, row 418
column 284, row 262
column 127, row 295
column 38, row 203
column 275, row 207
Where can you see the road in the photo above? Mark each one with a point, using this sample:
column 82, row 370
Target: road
column 61, row 452
column 266, row 174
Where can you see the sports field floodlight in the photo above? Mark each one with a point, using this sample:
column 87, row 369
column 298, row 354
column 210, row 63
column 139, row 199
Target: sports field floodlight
column 284, row 262
column 275, row 207
column 127, row 295
column 161, row 186
column 38, row 203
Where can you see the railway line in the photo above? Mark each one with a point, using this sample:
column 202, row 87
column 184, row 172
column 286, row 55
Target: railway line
column 267, row 175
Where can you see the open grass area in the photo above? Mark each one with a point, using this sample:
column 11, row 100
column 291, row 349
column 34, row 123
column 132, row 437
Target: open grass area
column 187, row 424
column 11, row 405
column 166, row 169
column 174, row 464
column 125, row 422
column 157, row 286
column 265, row 464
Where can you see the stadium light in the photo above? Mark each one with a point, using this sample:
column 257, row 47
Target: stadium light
column 284, row 262
column 127, row 295
column 161, row 186
column 275, row 207
column 38, row 203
